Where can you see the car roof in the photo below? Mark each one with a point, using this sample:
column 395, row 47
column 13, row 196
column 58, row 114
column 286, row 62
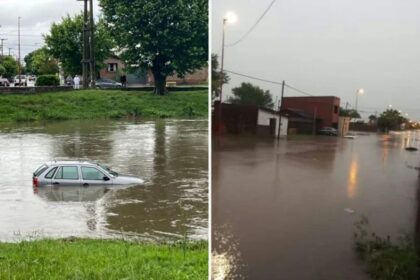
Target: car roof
column 70, row 162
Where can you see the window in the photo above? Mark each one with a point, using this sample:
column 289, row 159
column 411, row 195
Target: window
column 90, row 173
column 40, row 170
column 50, row 173
column 67, row 173
column 112, row 67
column 336, row 109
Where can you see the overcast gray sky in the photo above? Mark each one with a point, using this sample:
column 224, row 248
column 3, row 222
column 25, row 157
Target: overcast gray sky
column 328, row 47
column 36, row 19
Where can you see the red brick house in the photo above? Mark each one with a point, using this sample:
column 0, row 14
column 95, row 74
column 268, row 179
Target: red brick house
column 199, row 77
column 325, row 109
column 113, row 68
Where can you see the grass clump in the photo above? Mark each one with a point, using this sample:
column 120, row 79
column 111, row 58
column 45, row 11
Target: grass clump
column 102, row 104
column 385, row 259
column 102, row 259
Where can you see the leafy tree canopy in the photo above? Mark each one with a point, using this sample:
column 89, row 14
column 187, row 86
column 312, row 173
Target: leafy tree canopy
column 65, row 43
column 391, row 119
column 349, row 113
column 216, row 77
column 39, row 62
column 10, row 65
column 163, row 36
column 2, row 70
column 248, row 94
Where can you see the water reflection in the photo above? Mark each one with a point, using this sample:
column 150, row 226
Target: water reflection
column 171, row 155
column 353, row 176
column 71, row 193
column 296, row 218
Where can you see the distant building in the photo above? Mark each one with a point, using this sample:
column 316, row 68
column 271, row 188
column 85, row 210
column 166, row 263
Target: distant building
column 199, row 77
column 249, row 119
column 113, row 68
column 323, row 110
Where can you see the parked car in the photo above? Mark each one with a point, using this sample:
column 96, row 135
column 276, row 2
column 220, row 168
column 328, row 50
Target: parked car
column 328, row 131
column 4, row 82
column 79, row 173
column 107, row 83
column 31, row 78
column 20, row 80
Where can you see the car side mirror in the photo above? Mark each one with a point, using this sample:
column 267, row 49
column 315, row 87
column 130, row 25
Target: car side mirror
column 106, row 178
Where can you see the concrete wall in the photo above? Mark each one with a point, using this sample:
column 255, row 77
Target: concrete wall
column 33, row 90
column 343, row 126
column 264, row 120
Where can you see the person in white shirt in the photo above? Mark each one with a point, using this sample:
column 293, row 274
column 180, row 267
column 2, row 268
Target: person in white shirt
column 76, row 82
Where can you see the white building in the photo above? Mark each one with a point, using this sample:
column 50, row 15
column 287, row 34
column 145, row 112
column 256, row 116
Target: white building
column 268, row 123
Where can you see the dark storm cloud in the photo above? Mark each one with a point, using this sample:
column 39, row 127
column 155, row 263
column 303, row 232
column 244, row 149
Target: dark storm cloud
column 328, row 47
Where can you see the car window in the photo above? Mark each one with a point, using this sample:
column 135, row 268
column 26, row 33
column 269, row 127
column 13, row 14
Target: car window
column 90, row 173
column 40, row 170
column 67, row 173
column 51, row 173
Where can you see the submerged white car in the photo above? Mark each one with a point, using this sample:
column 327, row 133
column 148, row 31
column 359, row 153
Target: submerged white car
column 79, row 173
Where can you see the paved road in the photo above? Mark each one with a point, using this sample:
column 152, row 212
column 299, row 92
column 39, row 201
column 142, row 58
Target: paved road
column 283, row 210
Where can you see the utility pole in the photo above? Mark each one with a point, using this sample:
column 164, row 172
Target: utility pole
column 2, row 43
column 314, row 121
column 92, row 47
column 281, row 104
column 19, row 68
column 9, row 50
column 85, row 60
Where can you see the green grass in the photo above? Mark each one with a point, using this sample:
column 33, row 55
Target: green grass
column 386, row 259
column 101, row 104
column 102, row 259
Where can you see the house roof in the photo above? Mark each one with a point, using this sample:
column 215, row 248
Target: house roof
column 297, row 113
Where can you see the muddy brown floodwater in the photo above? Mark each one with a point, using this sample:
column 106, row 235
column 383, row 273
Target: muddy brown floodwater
column 286, row 210
column 170, row 155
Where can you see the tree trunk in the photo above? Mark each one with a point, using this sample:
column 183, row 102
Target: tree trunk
column 160, row 81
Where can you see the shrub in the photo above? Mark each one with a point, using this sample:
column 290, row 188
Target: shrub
column 385, row 259
column 47, row 80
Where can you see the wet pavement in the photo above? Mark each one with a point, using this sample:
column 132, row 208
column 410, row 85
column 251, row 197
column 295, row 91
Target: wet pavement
column 286, row 210
column 170, row 155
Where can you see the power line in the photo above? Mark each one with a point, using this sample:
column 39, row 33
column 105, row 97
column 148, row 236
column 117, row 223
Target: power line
column 253, row 26
column 254, row 78
column 298, row 90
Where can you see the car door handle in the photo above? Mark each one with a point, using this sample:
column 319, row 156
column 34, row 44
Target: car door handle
column 56, row 183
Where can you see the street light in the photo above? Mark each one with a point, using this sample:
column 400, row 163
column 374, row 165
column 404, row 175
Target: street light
column 229, row 18
column 360, row 91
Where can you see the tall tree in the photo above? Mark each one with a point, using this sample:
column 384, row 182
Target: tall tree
column 216, row 77
column 349, row 113
column 10, row 65
column 248, row 94
column 39, row 62
column 165, row 37
column 65, row 43
column 391, row 119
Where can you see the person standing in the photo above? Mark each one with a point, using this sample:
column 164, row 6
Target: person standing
column 123, row 80
column 76, row 82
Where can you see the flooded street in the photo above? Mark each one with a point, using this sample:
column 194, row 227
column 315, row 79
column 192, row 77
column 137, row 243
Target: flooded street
column 286, row 210
column 170, row 155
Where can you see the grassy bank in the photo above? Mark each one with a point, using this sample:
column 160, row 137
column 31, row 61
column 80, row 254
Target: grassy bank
column 102, row 259
column 384, row 258
column 101, row 104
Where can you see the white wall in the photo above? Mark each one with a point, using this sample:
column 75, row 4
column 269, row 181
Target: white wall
column 264, row 119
